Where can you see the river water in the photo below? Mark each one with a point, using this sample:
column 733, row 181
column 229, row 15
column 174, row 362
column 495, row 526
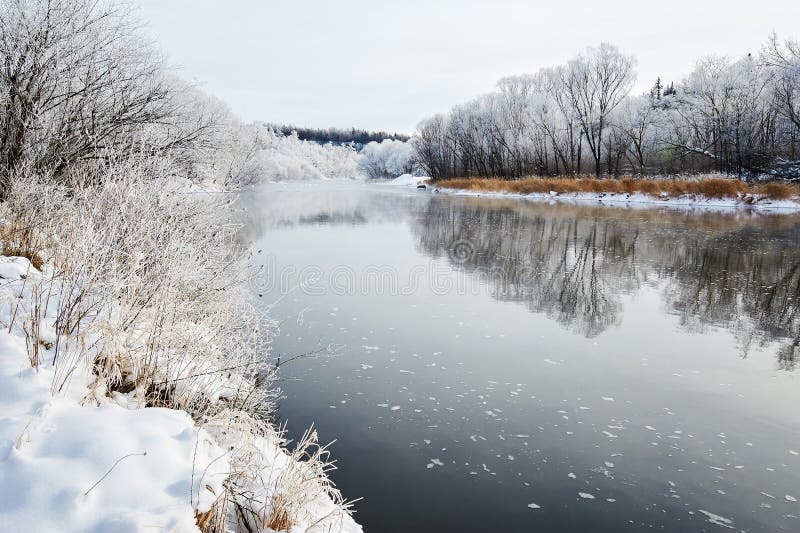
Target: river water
column 512, row 365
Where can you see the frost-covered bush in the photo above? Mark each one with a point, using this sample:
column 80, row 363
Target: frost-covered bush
column 140, row 299
column 384, row 160
column 148, row 277
column 287, row 158
column 225, row 150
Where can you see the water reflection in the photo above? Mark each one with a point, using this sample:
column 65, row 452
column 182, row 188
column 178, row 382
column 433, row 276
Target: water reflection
column 739, row 271
column 331, row 203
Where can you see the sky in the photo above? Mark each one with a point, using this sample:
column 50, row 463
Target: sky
column 388, row 64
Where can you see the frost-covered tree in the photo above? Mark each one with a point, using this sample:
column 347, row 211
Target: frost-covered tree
column 79, row 82
column 637, row 119
column 386, row 159
column 287, row 158
column 784, row 59
column 596, row 83
column 431, row 149
column 735, row 116
column 723, row 114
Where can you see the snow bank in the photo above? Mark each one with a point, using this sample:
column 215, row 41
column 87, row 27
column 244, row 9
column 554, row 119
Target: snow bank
column 758, row 202
column 73, row 461
column 407, row 180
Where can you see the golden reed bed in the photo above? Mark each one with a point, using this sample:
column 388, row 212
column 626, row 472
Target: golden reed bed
column 708, row 187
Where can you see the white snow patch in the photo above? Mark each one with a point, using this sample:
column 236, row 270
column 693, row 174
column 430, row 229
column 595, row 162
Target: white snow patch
column 407, row 180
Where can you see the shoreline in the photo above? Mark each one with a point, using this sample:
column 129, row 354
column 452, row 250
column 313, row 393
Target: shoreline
column 129, row 464
column 634, row 200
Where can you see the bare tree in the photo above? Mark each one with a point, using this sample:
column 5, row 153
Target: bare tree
column 596, row 83
column 637, row 121
column 784, row 57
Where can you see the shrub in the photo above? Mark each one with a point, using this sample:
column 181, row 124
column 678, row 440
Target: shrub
column 647, row 186
column 721, row 187
column 777, row 191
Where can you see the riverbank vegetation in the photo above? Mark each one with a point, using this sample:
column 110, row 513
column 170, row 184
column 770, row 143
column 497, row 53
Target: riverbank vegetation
column 116, row 180
column 338, row 136
column 736, row 117
column 709, row 187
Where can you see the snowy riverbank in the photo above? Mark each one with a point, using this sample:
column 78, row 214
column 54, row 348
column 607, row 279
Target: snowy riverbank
column 752, row 202
column 80, row 458
column 641, row 200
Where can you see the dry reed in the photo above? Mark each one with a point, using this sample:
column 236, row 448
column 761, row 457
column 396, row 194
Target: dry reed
column 713, row 187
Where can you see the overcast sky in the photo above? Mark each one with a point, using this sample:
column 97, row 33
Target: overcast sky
column 388, row 64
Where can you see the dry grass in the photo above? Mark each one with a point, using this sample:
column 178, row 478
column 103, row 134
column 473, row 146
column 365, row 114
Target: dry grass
column 708, row 187
column 213, row 520
column 21, row 241
column 777, row 191
column 279, row 518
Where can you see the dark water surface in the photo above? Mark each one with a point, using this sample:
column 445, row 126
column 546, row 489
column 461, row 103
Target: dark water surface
column 519, row 366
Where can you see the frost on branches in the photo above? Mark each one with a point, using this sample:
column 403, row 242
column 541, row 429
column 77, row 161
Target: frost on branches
column 734, row 116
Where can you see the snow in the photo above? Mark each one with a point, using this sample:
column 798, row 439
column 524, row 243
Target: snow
column 407, row 180
column 75, row 462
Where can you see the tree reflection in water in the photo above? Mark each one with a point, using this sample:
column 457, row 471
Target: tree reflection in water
column 735, row 270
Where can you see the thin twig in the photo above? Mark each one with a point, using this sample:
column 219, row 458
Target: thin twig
column 14, row 314
column 112, row 468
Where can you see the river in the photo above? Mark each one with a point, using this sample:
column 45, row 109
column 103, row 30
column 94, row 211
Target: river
column 512, row 365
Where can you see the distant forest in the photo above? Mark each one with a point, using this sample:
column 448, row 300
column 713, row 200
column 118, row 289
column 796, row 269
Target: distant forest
column 337, row 135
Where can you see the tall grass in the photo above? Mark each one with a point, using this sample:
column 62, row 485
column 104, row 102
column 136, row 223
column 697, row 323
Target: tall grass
column 707, row 187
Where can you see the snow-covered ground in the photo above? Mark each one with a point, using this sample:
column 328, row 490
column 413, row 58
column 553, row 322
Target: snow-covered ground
column 407, row 180
column 760, row 203
column 76, row 460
